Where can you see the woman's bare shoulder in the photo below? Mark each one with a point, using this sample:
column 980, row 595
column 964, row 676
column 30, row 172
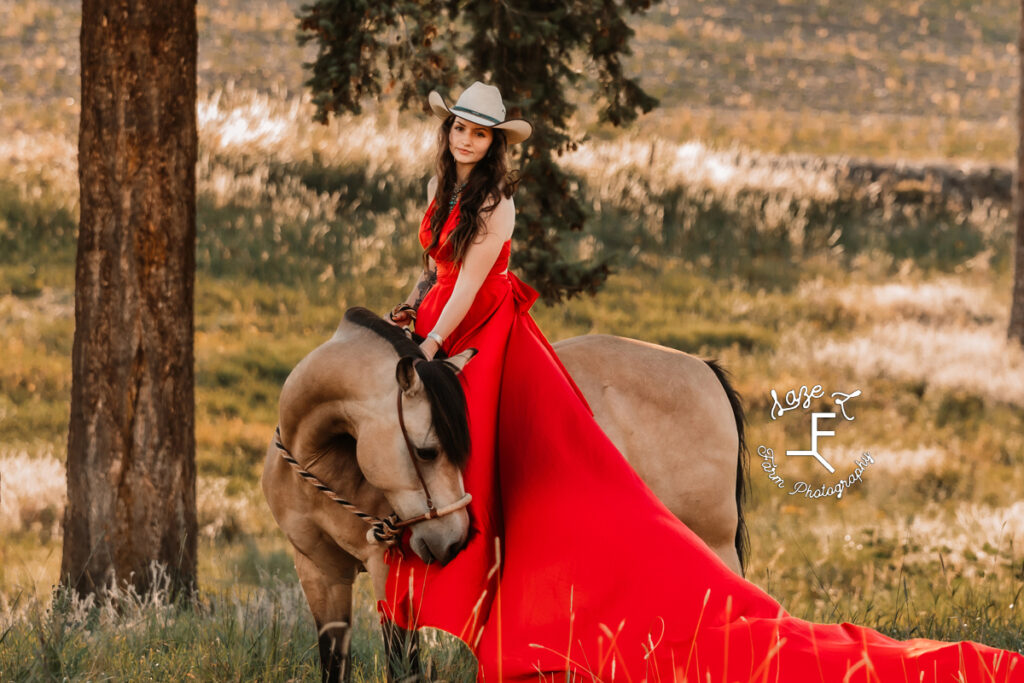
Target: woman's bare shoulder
column 502, row 219
column 431, row 188
column 508, row 204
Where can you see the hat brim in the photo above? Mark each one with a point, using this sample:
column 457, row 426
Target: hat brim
column 516, row 130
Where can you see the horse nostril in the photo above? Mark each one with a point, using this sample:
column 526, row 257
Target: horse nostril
column 422, row 548
column 451, row 550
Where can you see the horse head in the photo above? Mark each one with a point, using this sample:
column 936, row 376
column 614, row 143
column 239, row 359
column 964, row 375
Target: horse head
column 369, row 385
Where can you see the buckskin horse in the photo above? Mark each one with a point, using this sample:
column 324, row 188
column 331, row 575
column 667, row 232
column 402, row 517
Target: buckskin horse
column 371, row 441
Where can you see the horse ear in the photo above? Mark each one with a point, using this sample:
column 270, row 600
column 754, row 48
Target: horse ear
column 408, row 379
column 459, row 360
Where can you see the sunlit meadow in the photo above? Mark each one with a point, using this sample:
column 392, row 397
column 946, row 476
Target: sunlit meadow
column 741, row 231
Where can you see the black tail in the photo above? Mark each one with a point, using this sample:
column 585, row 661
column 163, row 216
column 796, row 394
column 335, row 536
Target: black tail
column 742, row 482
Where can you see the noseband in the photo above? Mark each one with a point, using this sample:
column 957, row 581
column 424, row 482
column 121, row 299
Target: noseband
column 384, row 530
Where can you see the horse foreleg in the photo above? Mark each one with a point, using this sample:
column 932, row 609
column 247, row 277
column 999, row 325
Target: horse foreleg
column 401, row 647
column 330, row 600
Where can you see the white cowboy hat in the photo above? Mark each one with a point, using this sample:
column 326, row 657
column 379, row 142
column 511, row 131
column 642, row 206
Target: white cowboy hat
column 481, row 104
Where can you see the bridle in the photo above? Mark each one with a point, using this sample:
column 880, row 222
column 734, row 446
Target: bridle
column 432, row 512
column 384, row 530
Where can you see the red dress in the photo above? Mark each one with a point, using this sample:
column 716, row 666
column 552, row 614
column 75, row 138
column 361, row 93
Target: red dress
column 596, row 575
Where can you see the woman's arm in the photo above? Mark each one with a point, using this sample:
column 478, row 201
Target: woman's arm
column 479, row 259
column 405, row 312
column 428, row 278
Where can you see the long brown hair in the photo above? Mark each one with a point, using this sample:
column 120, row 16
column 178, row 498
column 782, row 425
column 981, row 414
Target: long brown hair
column 487, row 182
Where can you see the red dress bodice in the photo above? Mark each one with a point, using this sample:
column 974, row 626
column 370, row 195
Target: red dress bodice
column 442, row 252
column 500, row 288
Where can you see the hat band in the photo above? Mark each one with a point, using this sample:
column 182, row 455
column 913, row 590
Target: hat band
column 475, row 113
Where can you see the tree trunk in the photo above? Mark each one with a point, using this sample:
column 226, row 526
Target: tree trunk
column 1016, row 330
column 131, row 443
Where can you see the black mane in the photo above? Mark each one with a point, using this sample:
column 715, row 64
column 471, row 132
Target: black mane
column 444, row 391
column 391, row 333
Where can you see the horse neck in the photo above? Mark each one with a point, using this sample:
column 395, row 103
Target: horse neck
column 321, row 404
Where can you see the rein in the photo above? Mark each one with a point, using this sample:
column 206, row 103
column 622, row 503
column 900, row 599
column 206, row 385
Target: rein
column 384, row 530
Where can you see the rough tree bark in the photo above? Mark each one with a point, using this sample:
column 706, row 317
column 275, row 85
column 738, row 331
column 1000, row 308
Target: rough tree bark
column 131, row 443
column 1016, row 330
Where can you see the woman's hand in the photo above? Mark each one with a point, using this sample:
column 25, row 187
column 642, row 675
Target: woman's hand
column 429, row 347
column 405, row 312
column 401, row 315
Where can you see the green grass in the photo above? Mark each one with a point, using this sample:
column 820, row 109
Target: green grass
column 250, row 623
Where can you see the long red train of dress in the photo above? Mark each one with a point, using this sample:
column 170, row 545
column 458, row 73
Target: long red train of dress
column 596, row 576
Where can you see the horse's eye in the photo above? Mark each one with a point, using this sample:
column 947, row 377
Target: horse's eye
column 427, row 453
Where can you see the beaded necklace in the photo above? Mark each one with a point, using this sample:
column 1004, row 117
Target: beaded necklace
column 455, row 196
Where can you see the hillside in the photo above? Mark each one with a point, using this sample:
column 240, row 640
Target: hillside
column 879, row 78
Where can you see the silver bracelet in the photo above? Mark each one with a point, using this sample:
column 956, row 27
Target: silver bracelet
column 436, row 337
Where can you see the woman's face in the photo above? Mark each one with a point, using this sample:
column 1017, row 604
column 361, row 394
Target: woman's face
column 469, row 141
